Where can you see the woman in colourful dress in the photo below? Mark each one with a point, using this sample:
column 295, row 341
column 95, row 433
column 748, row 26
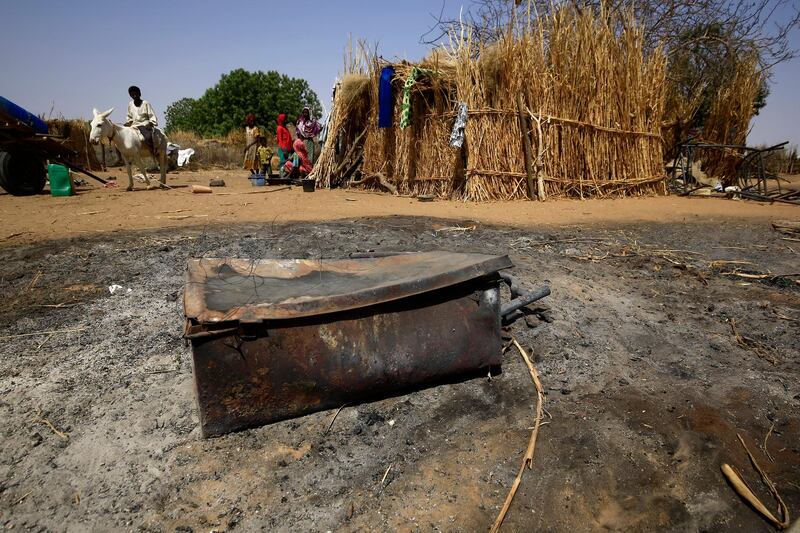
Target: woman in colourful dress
column 299, row 165
column 284, row 140
column 307, row 129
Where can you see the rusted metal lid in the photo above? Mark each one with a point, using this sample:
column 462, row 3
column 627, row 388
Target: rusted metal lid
column 222, row 290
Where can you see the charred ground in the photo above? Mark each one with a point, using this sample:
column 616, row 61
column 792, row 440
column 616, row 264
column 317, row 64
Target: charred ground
column 646, row 383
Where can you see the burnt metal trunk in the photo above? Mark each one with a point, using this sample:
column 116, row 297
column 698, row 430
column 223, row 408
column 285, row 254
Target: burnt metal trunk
column 274, row 340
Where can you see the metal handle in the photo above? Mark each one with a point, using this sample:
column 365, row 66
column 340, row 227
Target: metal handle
column 525, row 298
column 521, row 298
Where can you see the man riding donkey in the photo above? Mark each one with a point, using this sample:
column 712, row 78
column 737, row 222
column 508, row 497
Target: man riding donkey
column 142, row 117
column 139, row 138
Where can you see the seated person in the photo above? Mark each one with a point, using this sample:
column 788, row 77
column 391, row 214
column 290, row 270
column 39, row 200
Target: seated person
column 142, row 117
column 291, row 168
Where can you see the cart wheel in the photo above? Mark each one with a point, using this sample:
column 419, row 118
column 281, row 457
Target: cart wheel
column 21, row 173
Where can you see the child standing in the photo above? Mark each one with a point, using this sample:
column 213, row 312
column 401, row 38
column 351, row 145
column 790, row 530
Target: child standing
column 264, row 156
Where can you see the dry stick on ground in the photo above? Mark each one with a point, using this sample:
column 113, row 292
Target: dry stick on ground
column 787, row 227
column 784, row 317
column 34, row 280
column 183, row 217
column 41, row 333
column 62, row 305
column 557, row 241
column 741, row 488
column 254, row 192
column 719, row 262
column 746, row 275
column 527, row 459
column 163, row 371
column 385, row 474
column 749, row 344
column 766, row 438
column 456, row 228
column 339, row 410
column 44, row 342
column 7, row 237
column 47, row 422
column 380, row 178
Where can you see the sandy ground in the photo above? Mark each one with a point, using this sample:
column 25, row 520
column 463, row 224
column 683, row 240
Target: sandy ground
column 98, row 210
column 646, row 384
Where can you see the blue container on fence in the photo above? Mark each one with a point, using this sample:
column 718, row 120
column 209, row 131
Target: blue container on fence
column 258, row 180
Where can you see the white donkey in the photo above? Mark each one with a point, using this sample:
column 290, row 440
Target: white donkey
column 129, row 144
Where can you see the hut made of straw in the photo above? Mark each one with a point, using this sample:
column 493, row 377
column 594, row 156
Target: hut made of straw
column 76, row 137
column 565, row 105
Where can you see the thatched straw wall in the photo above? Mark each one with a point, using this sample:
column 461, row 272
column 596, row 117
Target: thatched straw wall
column 379, row 144
column 594, row 104
column 592, row 101
column 417, row 158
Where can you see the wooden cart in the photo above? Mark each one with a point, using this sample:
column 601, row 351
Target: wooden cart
column 25, row 148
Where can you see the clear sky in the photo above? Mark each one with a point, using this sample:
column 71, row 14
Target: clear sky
column 74, row 55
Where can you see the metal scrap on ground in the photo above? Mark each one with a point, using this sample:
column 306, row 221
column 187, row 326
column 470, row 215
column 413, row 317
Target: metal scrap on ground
column 373, row 324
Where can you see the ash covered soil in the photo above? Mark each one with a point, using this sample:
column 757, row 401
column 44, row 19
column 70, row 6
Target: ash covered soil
column 646, row 388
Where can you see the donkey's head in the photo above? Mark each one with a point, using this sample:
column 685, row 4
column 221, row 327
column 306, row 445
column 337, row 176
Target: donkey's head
column 101, row 126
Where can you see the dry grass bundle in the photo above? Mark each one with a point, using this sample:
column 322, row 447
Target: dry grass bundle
column 680, row 110
column 77, row 134
column 222, row 152
column 439, row 58
column 346, row 127
column 729, row 120
column 354, row 91
column 185, row 139
column 353, row 107
column 237, row 137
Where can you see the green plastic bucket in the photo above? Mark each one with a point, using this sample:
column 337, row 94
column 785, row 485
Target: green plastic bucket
column 60, row 180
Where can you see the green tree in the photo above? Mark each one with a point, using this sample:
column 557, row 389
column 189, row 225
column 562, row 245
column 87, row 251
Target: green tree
column 239, row 92
column 179, row 115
